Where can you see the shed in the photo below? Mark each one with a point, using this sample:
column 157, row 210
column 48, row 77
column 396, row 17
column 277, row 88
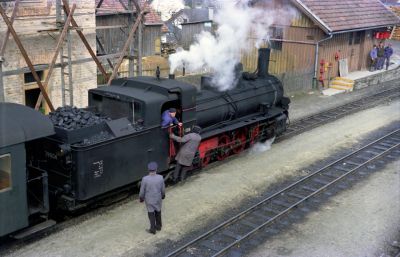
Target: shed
column 112, row 20
column 185, row 24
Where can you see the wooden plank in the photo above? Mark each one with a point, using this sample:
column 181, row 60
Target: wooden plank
column 123, row 5
column 127, row 43
column 53, row 61
column 26, row 57
column 102, row 49
column 5, row 40
column 85, row 42
column 107, row 27
column 98, row 5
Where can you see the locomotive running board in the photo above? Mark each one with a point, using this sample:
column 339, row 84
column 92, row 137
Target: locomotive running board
column 34, row 229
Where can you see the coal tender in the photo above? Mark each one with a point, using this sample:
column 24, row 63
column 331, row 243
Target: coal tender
column 106, row 147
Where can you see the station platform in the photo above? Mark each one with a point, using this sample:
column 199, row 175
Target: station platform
column 361, row 79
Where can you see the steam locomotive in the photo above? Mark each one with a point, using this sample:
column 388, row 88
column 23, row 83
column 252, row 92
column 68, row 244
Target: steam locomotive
column 69, row 166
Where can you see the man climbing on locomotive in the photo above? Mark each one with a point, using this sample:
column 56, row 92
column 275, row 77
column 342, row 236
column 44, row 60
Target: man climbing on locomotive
column 186, row 153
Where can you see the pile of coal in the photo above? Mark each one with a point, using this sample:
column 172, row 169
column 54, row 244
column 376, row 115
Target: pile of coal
column 71, row 118
column 100, row 137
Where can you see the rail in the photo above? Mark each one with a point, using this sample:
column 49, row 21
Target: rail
column 225, row 236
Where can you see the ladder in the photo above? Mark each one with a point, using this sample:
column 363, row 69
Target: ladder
column 65, row 61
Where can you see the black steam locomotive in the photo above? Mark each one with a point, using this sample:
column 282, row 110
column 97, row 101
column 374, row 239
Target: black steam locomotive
column 107, row 146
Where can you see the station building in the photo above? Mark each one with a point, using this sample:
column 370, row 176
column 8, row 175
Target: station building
column 320, row 37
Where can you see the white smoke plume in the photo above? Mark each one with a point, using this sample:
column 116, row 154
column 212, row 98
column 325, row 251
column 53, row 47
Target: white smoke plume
column 167, row 7
column 236, row 21
column 262, row 147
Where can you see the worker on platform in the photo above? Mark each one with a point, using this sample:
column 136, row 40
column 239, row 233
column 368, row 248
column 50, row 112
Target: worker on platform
column 388, row 54
column 152, row 191
column 168, row 118
column 374, row 56
column 381, row 56
column 185, row 156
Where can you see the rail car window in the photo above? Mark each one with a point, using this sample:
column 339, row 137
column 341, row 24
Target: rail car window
column 5, row 172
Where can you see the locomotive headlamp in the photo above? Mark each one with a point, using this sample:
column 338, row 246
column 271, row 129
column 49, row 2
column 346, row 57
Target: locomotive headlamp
column 64, row 149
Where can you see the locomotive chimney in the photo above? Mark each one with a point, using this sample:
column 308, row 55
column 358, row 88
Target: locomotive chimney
column 171, row 76
column 263, row 61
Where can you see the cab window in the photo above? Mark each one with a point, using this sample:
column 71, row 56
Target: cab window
column 137, row 111
column 5, row 172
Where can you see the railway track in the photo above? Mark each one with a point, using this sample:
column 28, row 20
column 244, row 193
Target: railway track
column 223, row 238
column 324, row 117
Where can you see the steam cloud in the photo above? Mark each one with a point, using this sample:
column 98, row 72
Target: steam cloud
column 167, row 7
column 221, row 52
column 262, row 147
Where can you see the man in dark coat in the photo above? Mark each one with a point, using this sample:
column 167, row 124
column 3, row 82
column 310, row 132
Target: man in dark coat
column 381, row 56
column 152, row 191
column 186, row 153
column 388, row 54
column 374, row 56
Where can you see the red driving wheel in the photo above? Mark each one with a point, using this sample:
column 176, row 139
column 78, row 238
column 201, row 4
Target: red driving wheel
column 239, row 143
column 254, row 134
column 223, row 147
column 206, row 160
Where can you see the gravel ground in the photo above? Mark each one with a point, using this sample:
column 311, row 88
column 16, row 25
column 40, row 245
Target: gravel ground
column 361, row 222
column 120, row 231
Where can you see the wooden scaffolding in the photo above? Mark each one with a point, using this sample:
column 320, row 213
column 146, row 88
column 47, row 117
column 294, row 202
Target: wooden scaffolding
column 66, row 25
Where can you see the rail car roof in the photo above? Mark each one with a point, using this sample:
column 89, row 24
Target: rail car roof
column 19, row 123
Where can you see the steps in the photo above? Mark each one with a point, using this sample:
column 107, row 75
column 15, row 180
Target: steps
column 341, row 83
column 396, row 32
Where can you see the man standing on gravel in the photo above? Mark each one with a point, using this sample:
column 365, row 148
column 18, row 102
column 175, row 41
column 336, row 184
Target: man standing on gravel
column 152, row 191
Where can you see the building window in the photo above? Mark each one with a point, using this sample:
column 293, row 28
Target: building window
column 31, row 96
column 28, row 77
column 351, row 37
column 276, row 33
column 5, row 172
column 359, row 35
column 355, row 37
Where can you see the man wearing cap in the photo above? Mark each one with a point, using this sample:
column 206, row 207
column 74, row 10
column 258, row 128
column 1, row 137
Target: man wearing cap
column 168, row 118
column 152, row 191
column 186, row 153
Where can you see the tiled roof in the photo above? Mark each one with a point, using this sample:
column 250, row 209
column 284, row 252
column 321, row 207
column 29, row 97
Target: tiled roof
column 336, row 16
column 109, row 7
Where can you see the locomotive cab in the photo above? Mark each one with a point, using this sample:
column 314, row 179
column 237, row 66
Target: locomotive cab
column 113, row 153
